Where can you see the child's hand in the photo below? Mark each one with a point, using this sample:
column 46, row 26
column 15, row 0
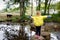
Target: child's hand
column 49, row 16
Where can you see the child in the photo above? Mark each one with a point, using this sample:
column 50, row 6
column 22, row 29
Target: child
column 38, row 22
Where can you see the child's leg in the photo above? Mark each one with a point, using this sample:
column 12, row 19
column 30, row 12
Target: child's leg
column 38, row 30
column 37, row 33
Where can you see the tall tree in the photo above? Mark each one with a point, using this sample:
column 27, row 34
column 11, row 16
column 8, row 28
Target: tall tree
column 22, row 5
column 22, row 12
column 31, row 7
column 39, row 4
column 46, row 2
column 49, row 6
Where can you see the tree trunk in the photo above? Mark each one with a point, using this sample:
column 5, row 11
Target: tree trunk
column 46, row 1
column 32, row 8
column 22, row 12
column 22, row 8
column 39, row 4
column 49, row 6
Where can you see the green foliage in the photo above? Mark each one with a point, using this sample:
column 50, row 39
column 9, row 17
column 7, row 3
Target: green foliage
column 38, row 7
column 58, row 6
column 25, row 17
column 54, row 18
column 15, row 18
column 16, row 1
column 15, row 9
column 48, row 20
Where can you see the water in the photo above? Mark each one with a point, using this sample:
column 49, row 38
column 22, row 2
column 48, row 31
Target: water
column 55, row 36
column 54, row 29
column 12, row 31
column 8, row 32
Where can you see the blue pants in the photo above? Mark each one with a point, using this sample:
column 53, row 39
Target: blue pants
column 38, row 30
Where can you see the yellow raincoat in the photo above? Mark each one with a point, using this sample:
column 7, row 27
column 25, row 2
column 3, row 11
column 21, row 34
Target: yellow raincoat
column 38, row 20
